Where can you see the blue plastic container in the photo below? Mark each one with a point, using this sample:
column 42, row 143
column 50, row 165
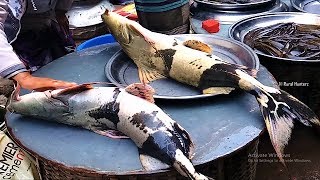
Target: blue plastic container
column 99, row 40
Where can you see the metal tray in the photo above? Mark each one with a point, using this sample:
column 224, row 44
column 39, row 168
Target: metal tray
column 239, row 29
column 121, row 70
column 229, row 17
column 225, row 6
column 87, row 13
column 308, row 6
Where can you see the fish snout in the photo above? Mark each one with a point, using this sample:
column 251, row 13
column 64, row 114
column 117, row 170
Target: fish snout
column 9, row 106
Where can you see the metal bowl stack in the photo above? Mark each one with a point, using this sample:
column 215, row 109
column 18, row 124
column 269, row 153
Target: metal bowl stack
column 85, row 18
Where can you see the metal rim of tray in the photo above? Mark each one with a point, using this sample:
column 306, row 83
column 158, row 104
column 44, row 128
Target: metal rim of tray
column 237, row 25
column 225, row 6
column 230, row 17
column 297, row 7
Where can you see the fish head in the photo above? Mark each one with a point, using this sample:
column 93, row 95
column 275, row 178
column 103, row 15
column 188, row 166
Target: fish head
column 139, row 43
column 124, row 30
column 37, row 104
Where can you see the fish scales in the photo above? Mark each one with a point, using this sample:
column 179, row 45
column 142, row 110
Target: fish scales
column 99, row 109
column 188, row 62
column 194, row 62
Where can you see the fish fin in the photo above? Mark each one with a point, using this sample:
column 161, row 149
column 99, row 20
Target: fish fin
column 217, row 90
column 13, row 97
column 251, row 71
column 185, row 167
column 279, row 110
column 141, row 90
column 185, row 140
column 147, row 75
column 64, row 94
column 150, row 163
column 114, row 134
column 74, row 89
column 198, row 45
column 16, row 93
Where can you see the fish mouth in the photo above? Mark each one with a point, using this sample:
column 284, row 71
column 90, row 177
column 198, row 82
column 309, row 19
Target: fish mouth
column 118, row 26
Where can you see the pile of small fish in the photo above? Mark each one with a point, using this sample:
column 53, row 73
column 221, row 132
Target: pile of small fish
column 287, row 40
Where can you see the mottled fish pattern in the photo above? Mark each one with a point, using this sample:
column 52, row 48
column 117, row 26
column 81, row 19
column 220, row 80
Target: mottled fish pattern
column 191, row 62
column 100, row 109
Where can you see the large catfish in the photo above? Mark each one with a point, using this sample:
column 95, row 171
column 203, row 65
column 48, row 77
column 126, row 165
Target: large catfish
column 191, row 62
column 162, row 142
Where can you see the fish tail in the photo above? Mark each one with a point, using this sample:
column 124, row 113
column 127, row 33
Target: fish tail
column 184, row 166
column 192, row 175
column 280, row 110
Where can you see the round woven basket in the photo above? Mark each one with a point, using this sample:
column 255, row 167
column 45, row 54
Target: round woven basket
column 2, row 113
column 240, row 165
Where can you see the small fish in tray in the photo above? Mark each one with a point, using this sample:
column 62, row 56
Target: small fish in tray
column 116, row 113
column 191, row 62
column 287, row 40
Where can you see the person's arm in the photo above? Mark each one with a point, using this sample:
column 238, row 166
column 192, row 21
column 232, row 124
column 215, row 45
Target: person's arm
column 10, row 64
column 12, row 67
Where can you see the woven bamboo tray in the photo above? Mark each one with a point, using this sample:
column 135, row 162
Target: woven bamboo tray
column 237, row 166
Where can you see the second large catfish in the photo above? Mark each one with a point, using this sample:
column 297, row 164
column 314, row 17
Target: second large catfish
column 158, row 55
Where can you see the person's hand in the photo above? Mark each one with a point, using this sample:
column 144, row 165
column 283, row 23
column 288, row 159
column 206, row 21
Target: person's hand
column 27, row 81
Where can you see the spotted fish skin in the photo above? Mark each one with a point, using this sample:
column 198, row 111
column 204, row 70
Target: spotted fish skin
column 169, row 57
column 103, row 108
column 165, row 54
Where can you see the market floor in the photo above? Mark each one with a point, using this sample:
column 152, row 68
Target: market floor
column 302, row 157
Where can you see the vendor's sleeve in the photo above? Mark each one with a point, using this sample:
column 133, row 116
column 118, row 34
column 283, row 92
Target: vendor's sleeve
column 64, row 5
column 10, row 64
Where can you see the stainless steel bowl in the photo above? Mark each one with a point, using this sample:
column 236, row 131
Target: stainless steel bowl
column 228, row 16
column 85, row 18
column 299, row 77
column 225, row 6
column 84, row 14
column 240, row 29
column 307, row 6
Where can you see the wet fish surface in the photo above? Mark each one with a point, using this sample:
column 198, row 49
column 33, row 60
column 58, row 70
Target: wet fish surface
column 160, row 56
column 117, row 113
